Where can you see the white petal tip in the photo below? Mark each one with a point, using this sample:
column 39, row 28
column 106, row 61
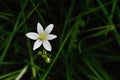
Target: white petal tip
column 38, row 24
column 50, row 50
column 26, row 34
column 37, row 44
column 47, row 45
column 34, row 49
column 55, row 36
column 51, row 24
column 32, row 35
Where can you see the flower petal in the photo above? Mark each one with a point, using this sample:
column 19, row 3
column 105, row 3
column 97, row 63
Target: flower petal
column 51, row 37
column 37, row 44
column 40, row 28
column 47, row 45
column 49, row 28
column 32, row 35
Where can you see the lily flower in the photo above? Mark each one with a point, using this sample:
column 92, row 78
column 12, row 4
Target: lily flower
column 42, row 37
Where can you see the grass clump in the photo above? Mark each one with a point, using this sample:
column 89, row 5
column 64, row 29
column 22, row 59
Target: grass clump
column 87, row 46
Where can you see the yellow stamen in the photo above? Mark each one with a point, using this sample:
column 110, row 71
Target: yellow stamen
column 42, row 36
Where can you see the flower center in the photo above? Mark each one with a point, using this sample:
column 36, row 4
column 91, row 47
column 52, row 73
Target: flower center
column 42, row 36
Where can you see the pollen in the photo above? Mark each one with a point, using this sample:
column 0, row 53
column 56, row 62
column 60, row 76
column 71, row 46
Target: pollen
column 42, row 36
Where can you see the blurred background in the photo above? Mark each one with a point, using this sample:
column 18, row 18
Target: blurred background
column 87, row 46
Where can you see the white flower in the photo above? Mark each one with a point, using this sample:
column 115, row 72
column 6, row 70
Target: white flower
column 42, row 37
